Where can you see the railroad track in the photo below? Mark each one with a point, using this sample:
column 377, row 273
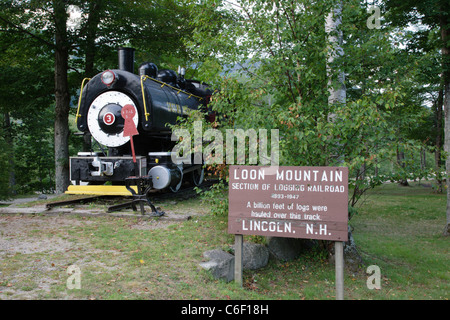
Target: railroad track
column 184, row 193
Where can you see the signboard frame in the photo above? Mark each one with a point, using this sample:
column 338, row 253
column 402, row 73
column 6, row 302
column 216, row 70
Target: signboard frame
column 293, row 202
column 287, row 201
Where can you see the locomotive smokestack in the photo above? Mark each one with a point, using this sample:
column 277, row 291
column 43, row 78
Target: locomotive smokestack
column 126, row 59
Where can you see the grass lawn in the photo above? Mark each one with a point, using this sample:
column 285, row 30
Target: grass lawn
column 400, row 230
column 396, row 228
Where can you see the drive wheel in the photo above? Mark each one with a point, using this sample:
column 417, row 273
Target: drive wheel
column 177, row 187
column 197, row 176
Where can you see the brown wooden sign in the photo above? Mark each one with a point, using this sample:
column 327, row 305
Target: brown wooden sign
column 293, row 202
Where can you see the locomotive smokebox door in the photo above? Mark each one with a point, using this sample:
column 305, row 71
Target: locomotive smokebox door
column 105, row 121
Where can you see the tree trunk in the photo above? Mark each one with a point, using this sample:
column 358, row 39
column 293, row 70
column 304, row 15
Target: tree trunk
column 337, row 94
column 445, row 30
column 447, row 149
column 10, row 142
column 438, row 140
column 95, row 7
column 423, row 158
column 401, row 162
column 62, row 98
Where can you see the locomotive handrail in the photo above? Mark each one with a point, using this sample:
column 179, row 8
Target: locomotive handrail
column 79, row 100
column 145, row 77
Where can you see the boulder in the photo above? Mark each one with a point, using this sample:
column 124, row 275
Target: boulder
column 254, row 255
column 352, row 258
column 285, row 249
column 220, row 264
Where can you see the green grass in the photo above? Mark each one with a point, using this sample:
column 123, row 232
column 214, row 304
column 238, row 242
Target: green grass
column 396, row 228
column 400, row 230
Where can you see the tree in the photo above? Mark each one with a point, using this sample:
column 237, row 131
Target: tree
column 435, row 14
column 281, row 81
column 46, row 22
column 26, row 122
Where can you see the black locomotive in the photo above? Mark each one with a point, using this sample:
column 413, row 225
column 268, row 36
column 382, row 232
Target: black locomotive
column 158, row 98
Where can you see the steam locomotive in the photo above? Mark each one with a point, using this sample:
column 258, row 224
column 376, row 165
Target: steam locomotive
column 158, row 97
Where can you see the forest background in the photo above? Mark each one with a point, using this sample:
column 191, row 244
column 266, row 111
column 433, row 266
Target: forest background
column 276, row 63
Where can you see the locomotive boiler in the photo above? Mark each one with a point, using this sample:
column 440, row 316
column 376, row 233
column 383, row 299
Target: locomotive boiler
column 158, row 98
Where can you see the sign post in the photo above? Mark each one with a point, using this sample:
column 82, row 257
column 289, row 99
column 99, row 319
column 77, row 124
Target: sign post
column 238, row 261
column 292, row 202
column 339, row 266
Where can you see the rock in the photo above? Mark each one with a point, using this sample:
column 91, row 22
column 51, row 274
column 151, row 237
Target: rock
column 254, row 255
column 352, row 258
column 221, row 264
column 42, row 197
column 351, row 255
column 285, row 249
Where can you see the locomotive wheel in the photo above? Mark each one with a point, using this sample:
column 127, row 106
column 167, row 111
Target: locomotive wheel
column 197, row 176
column 176, row 188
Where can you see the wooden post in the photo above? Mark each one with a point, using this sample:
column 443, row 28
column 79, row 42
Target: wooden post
column 339, row 262
column 238, row 262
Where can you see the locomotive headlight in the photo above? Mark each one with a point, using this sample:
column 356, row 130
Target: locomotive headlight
column 109, row 77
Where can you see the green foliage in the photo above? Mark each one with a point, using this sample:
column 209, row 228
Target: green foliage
column 26, row 116
column 33, row 151
column 274, row 76
column 216, row 199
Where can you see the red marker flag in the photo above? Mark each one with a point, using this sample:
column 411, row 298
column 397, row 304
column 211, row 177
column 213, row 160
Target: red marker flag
column 129, row 128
